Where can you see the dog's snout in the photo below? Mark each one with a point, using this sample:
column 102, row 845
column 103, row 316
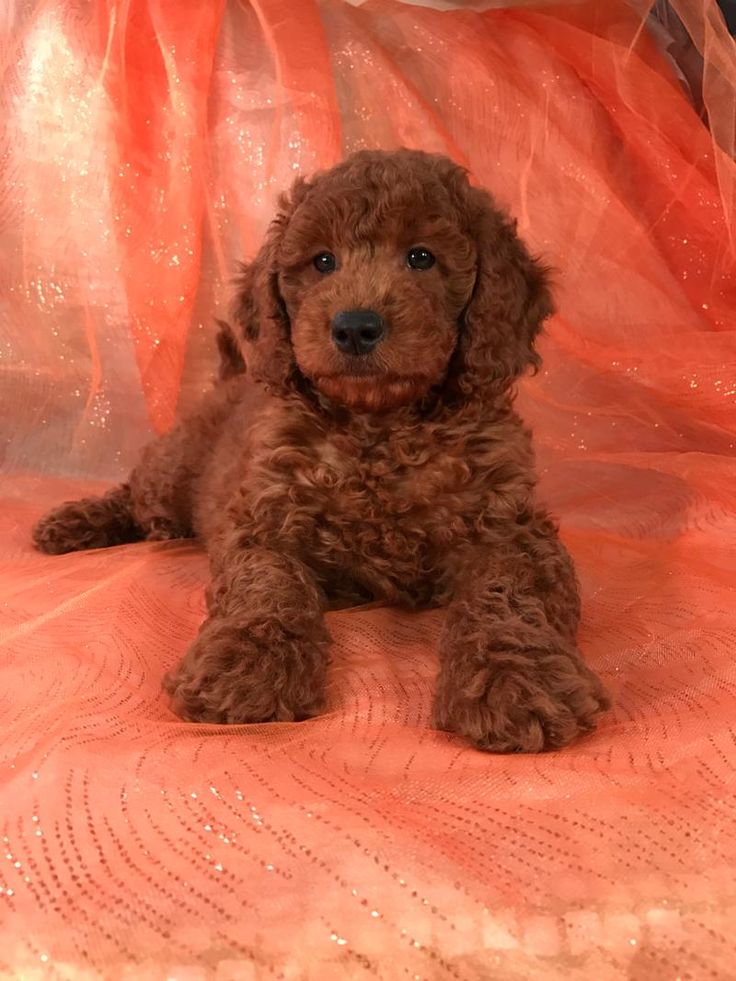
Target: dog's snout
column 357, row 331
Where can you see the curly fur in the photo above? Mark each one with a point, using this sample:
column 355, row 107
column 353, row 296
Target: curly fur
column 318, row 482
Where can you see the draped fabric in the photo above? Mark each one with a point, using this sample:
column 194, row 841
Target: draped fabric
column 143, row 145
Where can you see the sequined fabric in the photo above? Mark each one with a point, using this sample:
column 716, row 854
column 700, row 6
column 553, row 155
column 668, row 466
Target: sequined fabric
column 143, row 146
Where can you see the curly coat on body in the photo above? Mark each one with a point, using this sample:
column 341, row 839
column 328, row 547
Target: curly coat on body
column 360, row 444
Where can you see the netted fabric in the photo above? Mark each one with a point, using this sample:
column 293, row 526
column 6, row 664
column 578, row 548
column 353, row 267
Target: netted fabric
column 143, row 146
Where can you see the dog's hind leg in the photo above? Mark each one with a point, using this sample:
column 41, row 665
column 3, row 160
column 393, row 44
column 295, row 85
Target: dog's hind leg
column 93, row 522
column 157, row 500
column 155, row 503
column 162, row 484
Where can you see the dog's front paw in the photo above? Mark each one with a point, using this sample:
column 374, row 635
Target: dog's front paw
column 235, row 675
column 519, row 702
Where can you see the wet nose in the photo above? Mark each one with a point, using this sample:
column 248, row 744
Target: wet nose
column 357, row 331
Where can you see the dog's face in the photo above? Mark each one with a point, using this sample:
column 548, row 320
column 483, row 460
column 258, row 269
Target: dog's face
column 375, row 278
column 375, row 295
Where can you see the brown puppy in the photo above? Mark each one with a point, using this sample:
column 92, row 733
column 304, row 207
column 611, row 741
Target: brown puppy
column 370, row 451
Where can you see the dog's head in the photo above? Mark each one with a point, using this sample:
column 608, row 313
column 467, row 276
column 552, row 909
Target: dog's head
column 387, row 278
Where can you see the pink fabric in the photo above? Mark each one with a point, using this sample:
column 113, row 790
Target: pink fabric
column 363, row 844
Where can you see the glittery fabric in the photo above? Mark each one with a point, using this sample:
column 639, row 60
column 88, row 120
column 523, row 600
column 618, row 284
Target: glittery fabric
column 142, row 148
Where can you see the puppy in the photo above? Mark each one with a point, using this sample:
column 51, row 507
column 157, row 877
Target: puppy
column 360, row 444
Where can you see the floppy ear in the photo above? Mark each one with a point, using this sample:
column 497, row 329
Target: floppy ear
column 259, row 311
column 510, row 301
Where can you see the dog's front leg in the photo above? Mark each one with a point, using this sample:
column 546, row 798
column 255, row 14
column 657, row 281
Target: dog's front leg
column 511, row 677
column 262, row 653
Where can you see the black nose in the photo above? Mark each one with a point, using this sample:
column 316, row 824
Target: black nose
column 357, row 331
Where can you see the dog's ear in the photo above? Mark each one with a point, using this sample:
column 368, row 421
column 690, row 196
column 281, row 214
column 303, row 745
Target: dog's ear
column 259, row 311
column 511, row 299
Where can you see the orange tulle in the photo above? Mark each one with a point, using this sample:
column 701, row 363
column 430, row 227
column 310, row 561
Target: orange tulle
column 143, row 145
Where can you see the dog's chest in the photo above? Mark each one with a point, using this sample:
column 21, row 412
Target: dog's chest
column 390, row 498
column 385, row 517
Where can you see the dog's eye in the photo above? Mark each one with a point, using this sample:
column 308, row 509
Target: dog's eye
column 325, row 262
column 419, row 258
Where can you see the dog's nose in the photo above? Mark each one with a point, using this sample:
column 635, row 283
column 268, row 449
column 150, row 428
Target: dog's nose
column 357, row 331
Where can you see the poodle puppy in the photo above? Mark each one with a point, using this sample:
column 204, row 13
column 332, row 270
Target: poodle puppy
column 360, row 444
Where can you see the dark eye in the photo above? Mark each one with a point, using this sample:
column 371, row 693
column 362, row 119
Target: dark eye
column 325, row 262
column 419, row 258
